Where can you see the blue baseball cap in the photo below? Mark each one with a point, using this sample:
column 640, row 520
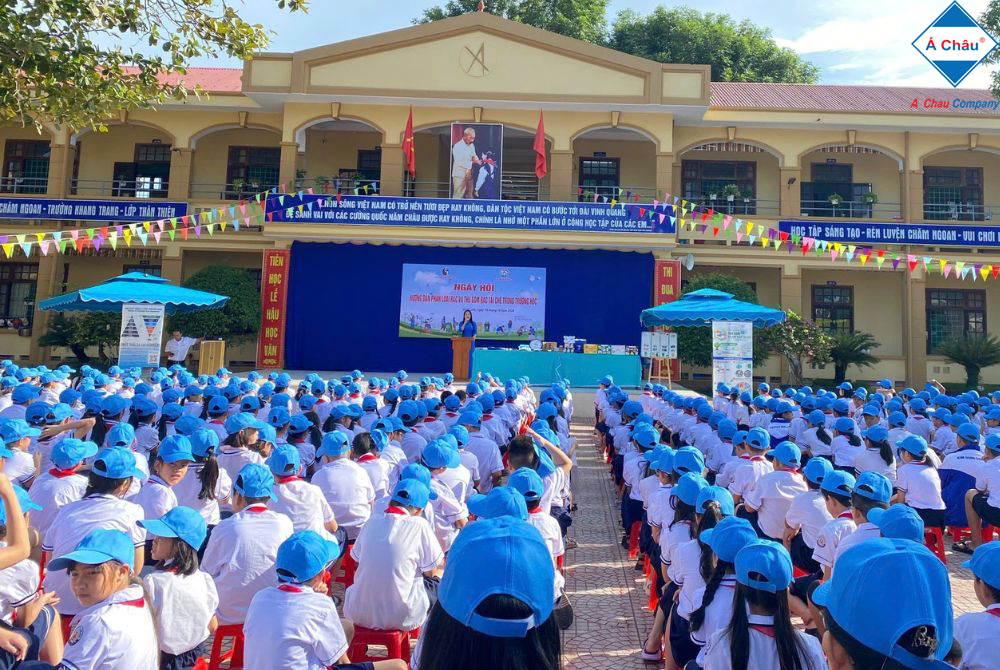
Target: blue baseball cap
column 817, row 469
column 866, row 600
column 876, row 433
column 278, row 417
column 985, row 563
column 187, row 424
column 254, row 481
column 304, row 555
column 460, row 433
column 418, row 472
column 22, row 393
column 787, row 454
column 181, row 522
column 968, row 432
column 439, row 454
column 23, row 499
column 203, row 442
column 715, row 494
column 100, row 546
column 874, row 486
column 284, row 461
column 507, row 546
column 335, row 443
column 993, row 443
column 116, row 463
column 688, row 487
column 217, row 404
column 845, row 425
column 175, row 448
column 838, row 482
column 120, row 435
column 688, row 459
column 899, row 521
column 469, row 419
column 728, row 537
column 14, row 430
column 70, row 451
column 500, row 501
column 240, row 421
column 413, row 492
column 528, row 483
column 758, row 438
column 914, row 444
column 764, row 566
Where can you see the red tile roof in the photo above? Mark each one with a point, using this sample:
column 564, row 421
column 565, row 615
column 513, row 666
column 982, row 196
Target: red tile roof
column 829, row 98
column 212, row 79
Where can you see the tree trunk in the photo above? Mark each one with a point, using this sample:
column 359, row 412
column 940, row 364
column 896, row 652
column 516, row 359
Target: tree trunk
column 794, row 370
column 839, row 373
column 80, row 353
column 972, row 376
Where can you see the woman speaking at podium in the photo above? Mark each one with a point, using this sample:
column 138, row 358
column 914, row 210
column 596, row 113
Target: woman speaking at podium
column 468, row 329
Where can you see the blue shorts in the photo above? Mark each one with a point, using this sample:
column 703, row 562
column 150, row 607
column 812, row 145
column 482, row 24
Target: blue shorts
column 35, row 634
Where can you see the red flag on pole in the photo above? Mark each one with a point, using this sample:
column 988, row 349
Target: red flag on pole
column 541, row 164
column 408, row 151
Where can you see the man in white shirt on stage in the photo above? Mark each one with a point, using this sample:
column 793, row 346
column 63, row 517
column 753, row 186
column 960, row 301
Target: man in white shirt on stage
column 177, row 347
column 463, row 157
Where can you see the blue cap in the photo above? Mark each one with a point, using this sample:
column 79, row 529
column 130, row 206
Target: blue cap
column 688, row 459
column 24, row 392
column 113, row 405
column 469, row 419
column 439, row 454
column 278, row 417
column 16, row 429
column 70, row 451
column 817, row 469
column 838, row 482
column 969, row 432
column 507, row 546
column 985, row 563
column 304, row 555
column 418, row 472
column 120, row 435
column 116, row 463
column 174, row 448
column 408, row 410
column 203, row 442
column 23, row 499
column 528, row 483
column 335, row 443
column 412, row 492
column 876, row 433
column 500, row 501
column 217, row 404
column 645, row 436
column 181, row 522
column 728, row 537
column 993, row 442
column 874, row 486
column 688, row 487
column 715, row 494
column 254, row 481
column 100, row 546
column 285, row 461
column 899, row 521
column 883, row 589
column 845, row 425
column 764, row 566
column 758, row 438
column 816, row 417
column 914, row 444
column 187, row 424
column 787, row 454
column 240, row 421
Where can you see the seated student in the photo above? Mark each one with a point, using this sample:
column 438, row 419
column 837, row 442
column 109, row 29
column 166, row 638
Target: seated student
column 760, row 634
column 143, row 417
column 846, row 444
column 183, row 598
column 806, row 516
column 774, row 492
column 17, row 463
column 365, row 455
column 205, row 487
column 413, row 442
column 156, row 497
column 486, row 451
column 123, row 435
column 958, row 473
column 746, row 475
column 721, row 450
column 780, row 424
column 484, row 614
column 918, row 483
column 398, row 558
column 982, row 503
column 529, row 484
column 450, row 513
column 63, row 483
column 386, row 441
column 724, row 477
column 644, row 437
column 240, row 436
column 345, row 484
column 943, row 439
column 241, row 551
column 299, row 500
column 101, row 508
column 978, row 633
column 898, row 522
column 458, row 479
column 871, row 491
column 877, row 455
column 887, row 606
column 837, row 489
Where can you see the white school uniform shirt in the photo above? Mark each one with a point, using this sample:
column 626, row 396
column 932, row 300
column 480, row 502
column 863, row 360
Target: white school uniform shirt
column 979, row 635
column 378, row 473
column 232, row 459
column 917, row 424
column 184, row 605
column 747, row 473
column 13, row 412
column 921, row 485
column 51, row 491
column 763, row 651
column 870, row 460
column 349, row 492
column 292, row 626
column 471, row 463
column 142, row 465
column 772, row 497
column 864, row 531
column 412, row 444
column 114, row 634
column 719, row 453
column 218, row 425
column 147, row 438
column 648, row 486
column 5, row 401
column 988, row 479
column 488, row 455
column 393, row 551
column 844, row 452
column 659, row 510
column 830, row 535
column 18, row 586
column 685, row 571
column 944, row 440
column 809, row 514
column 240, row 558
column 187, row 491
column 969, row 461
column 725, row 476
column 447, row 511
column 458, row 480
column 155, row 498
column 671, row 535
column 718, row 613
column 74, row 522
column 304, row 504
column 19, row 467
column 812, row 442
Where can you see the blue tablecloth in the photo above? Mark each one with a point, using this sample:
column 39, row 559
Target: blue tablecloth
column 544, row 367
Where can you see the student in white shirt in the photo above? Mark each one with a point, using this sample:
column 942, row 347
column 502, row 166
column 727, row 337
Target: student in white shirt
column 978, row 633
column 205, row 487
column 156, row 497
column 748, row 473
column 294, row 624
column 242, row 549
column 16, row 437
column 846, row 444
column 877, row 455
column 300, row 501
column 529, row 484
column 871, row 491
column 918, row 482
column 345, row 484
column 183, row 598
column 982, row 503
column 62, row 484
column 838, row 490
column 450, row 512
column 806, row 516
column 485, row 450
column 815, row 440
column 773, row 493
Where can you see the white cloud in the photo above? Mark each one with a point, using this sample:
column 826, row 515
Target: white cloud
column 422, row 277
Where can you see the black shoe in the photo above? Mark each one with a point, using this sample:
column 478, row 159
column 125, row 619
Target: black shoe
column 639, row 565
column 625, row 541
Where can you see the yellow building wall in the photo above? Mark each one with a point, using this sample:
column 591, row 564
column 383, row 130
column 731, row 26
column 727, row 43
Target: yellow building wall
column 768, row 177
column 99, row 152
column 990, row 163
column 328, row 152
column 211, row 157
column 937, row 367
column 637, row 160
column 880, row 171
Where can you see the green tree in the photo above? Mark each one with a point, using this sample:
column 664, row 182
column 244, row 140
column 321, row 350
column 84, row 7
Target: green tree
column 799, row 341
column 582, row 19
column 239, row 318
column 737, row 51
column 852, row 349
column 78, row 62
column 972, row 352
column 78, row 333
column 990, row 21
column 694, row 343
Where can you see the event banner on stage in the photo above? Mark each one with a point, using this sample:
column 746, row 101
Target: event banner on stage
column 140, row 340
column 273, row 309
column 510, row 215
column 506, row 303
column 732, row 354
column 864, row 232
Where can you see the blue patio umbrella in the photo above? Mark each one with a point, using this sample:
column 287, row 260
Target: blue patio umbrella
column 702, row 307
column 134, row 287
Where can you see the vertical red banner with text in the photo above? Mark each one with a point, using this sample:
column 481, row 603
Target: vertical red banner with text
column 273, row 309
column 667, row 288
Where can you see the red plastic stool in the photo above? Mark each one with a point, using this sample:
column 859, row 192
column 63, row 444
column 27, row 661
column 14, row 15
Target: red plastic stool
column 934, row 539
column 987, row 534
column 647, row 568
column 560, row 563
column 396, row 643
column 633, row 540
column 796, row 573
column 653, row 598
column 348, row 567
column 67, row 622
column 958, row 533
column 235, row 655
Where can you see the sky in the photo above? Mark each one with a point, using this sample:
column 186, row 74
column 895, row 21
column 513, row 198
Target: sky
column 852, row 41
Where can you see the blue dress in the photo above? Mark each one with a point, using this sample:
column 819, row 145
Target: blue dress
column 470, row 330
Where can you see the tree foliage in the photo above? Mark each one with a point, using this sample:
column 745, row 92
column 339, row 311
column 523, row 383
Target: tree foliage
column 78, row 62
column 852, row 349
column 972, row 352
column 78, row 333
column 694, row 344
column 582, row 19
column 799, row 341
column 238, row 319
column 990, row 21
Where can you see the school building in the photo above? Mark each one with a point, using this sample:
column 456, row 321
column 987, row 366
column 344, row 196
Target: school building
column 835, row 162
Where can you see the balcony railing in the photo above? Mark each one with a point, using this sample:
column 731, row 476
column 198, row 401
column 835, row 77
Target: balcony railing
column 514, row 186
column 120, row 188
column 235, row 191
column 740, row 206
column 959, row 211
column 25, row 185
column 639, row 194
column 851, row 209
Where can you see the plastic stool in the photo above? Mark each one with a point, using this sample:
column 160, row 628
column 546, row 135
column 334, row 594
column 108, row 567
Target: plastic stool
column 235, row 655
column 348, row 566
column 396, row 643
column 958, row 533
column 653, row 598
column 633, row 540
column 66, row 622
column 934, row 539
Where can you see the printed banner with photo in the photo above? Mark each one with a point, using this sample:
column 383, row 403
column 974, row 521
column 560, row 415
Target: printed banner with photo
column 506, row 303
column 141, row 336
column 476, row 160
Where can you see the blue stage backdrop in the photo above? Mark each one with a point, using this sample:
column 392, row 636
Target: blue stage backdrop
column 335, row 325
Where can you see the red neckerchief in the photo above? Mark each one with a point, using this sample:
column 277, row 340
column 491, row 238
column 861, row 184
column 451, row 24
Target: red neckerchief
column 395, row 510
column 285, row 480
column 745, row 457
column 62, row 473
column 756, row 458
column 763, row 628
column 256, row 509
column 140, row 603
column 288, row 588
column 994, row 612
column 318, row 402
column 537, row 510
column 367, row 457
column 429, row 420
column 451, row 413
column 217, row 421
column 845, row 515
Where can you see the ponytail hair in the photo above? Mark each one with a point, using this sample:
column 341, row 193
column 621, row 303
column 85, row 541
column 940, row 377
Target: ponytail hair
column 885, row 451
column 708, row 519
column 853, row 440
column 823, row 436
column 722, row 568
column 791, row 650
column 683, row 512
column 209, row 475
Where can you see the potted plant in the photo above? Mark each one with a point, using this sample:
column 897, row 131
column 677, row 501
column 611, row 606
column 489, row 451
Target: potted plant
column 747, row 195
column 255, row 185
column 712, row 195
column 730, row 191
column 322, row 182
column 835, row 199
column 869, row 198
column 238, row 185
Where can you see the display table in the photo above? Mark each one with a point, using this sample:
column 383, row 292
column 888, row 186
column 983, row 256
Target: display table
column 545, row 367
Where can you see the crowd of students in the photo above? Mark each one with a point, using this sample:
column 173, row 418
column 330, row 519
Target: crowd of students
column 755, row 508
column 141, row 513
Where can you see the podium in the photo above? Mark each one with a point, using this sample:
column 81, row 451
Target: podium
column 211, row 356
column 460, row 348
